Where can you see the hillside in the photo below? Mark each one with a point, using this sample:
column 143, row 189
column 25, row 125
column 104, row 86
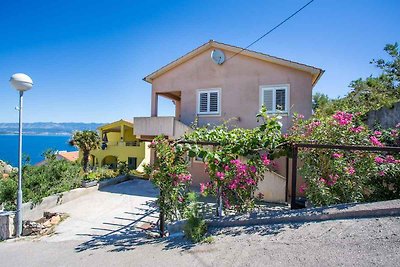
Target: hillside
column 47, row 128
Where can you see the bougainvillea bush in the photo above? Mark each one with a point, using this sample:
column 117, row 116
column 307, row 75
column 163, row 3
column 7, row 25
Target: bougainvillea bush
column 238, row 161
column 339, row 176
column 169, row 173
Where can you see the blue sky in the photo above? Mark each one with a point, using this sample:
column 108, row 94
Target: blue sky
column 88, row 58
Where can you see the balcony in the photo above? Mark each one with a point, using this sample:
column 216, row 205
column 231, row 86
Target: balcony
column 122, row 144
column 146, row 128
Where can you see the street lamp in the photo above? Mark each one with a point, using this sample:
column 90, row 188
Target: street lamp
column 21, row 82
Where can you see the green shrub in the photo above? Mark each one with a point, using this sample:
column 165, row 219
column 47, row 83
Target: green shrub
column 122, row 168
column 195, row 229
column 8, row 192
column 56, row 176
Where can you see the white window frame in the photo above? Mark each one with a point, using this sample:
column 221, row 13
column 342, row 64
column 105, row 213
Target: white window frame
column 273, row 88
column 208, row 113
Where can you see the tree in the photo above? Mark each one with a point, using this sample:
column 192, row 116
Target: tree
column 319, row 100
column 85, row 141
column 373, row 92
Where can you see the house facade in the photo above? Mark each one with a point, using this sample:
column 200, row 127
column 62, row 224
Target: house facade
column 232, row 86
column 118, row 144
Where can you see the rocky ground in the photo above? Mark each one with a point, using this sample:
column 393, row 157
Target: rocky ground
column 5, row 169
column 362, row 242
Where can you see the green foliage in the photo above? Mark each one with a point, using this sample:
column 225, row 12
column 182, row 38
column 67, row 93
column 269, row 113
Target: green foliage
column 85, row 141
column 55, row 176
column 239, row 160
column 8, row 193
column 195, row 228
column 122, row 167
column 319, row 100
column 99, row 174
column 371, row 93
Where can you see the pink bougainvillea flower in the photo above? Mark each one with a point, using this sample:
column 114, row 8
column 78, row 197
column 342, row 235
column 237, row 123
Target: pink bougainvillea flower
column 265, row 160
column 300, row 116
column 379, row 160
column 378, row 133
column 226, row 168
column 337, row 155
column 184, row 177
column 332, row 179
column 303, row 188
column 350, row 170
column 343, row 118
column 253, row 169
column 180, row 199
column 322, row 180
column 382, row 173
column 398, row 125
column 220, row 175
column 394, row 133
column 391, row 159
column 375, row 141
column 235, row 161
column 203, row 187
column 357, row 129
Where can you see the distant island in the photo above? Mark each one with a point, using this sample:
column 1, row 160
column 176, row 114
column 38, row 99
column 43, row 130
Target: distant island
column 47, row 128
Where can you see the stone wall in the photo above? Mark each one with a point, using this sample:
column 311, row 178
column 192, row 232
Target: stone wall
column 386, row 117
column 7, row 225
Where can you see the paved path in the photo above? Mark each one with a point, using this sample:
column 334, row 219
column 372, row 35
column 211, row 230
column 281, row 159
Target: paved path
column 107, row 212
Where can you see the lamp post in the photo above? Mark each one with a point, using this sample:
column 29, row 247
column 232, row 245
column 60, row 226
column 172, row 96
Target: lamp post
column 21, row 82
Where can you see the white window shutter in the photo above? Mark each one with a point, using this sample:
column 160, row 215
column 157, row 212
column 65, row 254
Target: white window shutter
column 280, row 102
column 203, row 102
column 214, row 102
column 268, row 99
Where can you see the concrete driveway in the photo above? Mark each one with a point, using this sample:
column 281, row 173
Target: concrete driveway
column 109, row 211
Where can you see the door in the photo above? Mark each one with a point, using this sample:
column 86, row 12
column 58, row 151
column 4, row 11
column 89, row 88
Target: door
column 132, row 162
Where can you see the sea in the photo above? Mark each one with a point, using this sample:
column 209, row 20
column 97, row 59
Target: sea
column 33, row 146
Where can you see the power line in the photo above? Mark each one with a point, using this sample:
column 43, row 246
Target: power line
column 274, row 28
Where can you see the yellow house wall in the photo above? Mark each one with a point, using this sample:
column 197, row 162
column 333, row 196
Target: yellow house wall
column 117, row 148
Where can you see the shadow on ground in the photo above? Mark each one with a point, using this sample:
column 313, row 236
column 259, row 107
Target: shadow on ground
column 141, row 224
column 139, row 231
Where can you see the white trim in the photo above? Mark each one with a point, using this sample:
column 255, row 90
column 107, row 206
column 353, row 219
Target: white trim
column 208, row 91
column 274, row 87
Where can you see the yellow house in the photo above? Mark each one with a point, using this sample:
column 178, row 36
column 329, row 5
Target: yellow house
column 118, row 144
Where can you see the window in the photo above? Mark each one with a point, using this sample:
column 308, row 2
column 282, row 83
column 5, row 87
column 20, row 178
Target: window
column 208, row 102
column 275, row 98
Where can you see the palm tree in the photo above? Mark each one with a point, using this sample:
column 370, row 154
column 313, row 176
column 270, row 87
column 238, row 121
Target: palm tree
column 85, row 141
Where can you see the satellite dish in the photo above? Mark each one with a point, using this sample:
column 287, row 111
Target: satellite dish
column 217, row 56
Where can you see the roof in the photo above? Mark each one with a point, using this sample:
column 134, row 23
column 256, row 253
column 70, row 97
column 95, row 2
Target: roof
column 315, row 72
column 115, row 124
column 71, row 156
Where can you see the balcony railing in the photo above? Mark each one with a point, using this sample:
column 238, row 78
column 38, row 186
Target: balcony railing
column 121, row 143
column 148, row 127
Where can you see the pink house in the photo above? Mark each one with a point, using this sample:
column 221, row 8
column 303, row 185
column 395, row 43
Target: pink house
column 217, row 82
